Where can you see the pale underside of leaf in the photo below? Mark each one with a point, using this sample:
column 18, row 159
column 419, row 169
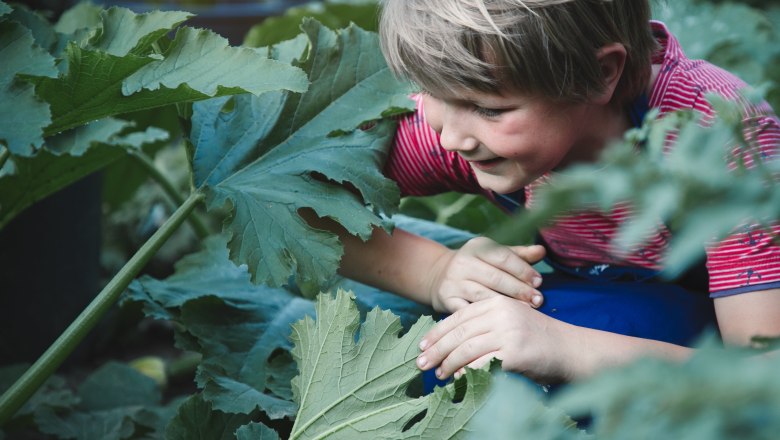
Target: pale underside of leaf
column 356, row 388
column 204, row 61
column 123, row 31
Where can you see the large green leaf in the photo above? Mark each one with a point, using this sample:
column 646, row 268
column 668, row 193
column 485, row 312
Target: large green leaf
column 21, row 124
column 273, row 155
column 237, row 325
column 355, row 386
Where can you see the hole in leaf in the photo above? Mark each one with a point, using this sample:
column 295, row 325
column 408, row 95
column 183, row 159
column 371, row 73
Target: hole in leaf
column 414, row 420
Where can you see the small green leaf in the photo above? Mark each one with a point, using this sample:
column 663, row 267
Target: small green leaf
column 38, row 176
column 256, row 431
column 122, row 31
column 41, row 29
column 117, row 385
column 54, row 393
column 75, row 142
column 204, row 62
column 21, row 124
column 195, row 419
column 4, row 8
column 83, row 15
column 113, row 400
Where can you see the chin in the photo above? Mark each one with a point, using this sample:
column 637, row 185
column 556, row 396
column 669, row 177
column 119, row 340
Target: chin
column 499, row 185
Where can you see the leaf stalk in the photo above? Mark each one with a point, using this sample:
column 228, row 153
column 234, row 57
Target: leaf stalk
column 5, row 153
column 52, row 358
column 197, row 223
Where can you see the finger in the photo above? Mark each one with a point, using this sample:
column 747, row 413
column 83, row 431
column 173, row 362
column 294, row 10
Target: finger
column 479, row 363
column 439, row 350
column 447, row 324
column 532, row 254
column 468, row 351
column 454, row 303
column 508, row 261
column 488, row 279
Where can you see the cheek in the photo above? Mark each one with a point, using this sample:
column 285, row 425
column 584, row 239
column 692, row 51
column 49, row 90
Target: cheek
column 432, row 109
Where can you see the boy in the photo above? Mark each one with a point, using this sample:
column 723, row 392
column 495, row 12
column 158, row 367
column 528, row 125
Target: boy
column 514, row 91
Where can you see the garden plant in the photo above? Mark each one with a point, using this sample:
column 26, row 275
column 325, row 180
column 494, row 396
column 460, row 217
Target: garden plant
column 297, row 122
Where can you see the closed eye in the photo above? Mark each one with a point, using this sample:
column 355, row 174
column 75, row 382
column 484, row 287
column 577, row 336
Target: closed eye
column 488, row 112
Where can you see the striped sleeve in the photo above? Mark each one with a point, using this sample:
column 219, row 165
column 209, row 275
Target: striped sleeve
column 419, row 164
column 749, row 259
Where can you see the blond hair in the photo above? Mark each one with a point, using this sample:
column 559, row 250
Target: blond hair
column 543, row 47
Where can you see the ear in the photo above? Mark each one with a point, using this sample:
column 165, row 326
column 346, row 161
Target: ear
column 612, row 59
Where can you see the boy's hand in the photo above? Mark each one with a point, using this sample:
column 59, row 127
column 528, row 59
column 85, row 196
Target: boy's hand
column 483, row 269
column 526, row 340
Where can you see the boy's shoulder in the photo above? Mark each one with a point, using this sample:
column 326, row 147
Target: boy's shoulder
column 685, row 83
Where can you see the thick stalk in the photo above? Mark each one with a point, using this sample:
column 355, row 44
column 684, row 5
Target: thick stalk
column 200, row 228
column 5, row 153
column 47, row 364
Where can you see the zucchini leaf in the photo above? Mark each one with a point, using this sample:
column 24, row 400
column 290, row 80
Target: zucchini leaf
column 196, row 419
column 21, row 124
column 355, row 386
column 240, row 328
column 273, row 155
column 256, row 431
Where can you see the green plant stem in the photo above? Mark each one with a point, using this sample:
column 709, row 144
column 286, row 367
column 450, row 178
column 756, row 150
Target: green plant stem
column 5, row 153
column 197, row 223
column 47, row 364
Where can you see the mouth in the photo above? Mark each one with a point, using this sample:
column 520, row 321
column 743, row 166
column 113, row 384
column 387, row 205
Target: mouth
column 486, row 164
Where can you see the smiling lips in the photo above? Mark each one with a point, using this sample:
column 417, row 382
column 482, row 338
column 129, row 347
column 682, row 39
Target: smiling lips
column 486, row 164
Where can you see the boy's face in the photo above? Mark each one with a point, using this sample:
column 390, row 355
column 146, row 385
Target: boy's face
column 512, row 140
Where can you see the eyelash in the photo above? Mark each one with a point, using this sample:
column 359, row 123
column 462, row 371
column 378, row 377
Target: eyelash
column 488, row 112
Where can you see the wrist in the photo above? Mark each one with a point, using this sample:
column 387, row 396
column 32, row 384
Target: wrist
column 435, row 278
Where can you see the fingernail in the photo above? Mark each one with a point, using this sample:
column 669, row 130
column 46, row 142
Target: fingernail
column 421, row 361
column 537, row 300
column 439, row 373
column 423, row 344
column 537, row 281
column 457, row 375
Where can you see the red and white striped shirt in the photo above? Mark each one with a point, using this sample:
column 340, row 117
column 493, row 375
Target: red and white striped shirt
column 745, row 261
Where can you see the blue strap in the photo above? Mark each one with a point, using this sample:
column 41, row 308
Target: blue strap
column 638, row 109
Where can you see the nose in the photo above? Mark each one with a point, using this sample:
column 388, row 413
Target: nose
column 455, row 132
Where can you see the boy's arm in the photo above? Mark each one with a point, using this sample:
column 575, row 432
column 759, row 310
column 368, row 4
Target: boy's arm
column 742, row 316
column 430, row 273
